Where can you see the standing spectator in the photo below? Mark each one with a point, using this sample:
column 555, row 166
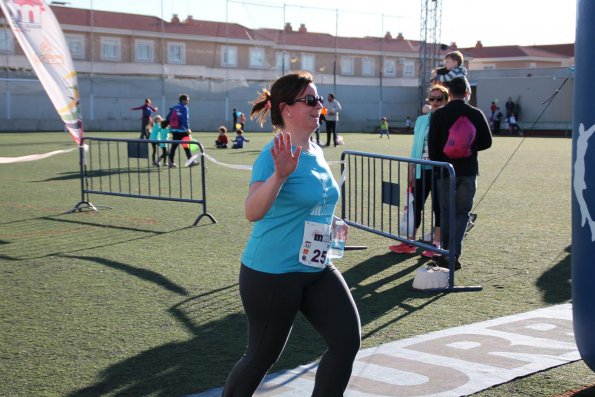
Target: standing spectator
column 242, row 121
column 181, row 131
column 321, row 120
column 384, row 127
column 285, row 267
column 466, row 168
column 509, row 105
column 517, row 109
column 222, row 140
column 496, row 119
column 234, row 116
column 240, row 139
column 147, row 111
column 424, row 182
column 407, row 124
column 493, row 107
column 332, row 118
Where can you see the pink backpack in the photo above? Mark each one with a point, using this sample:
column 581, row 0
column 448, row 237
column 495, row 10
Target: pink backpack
column 172, row 118
column 461, row 136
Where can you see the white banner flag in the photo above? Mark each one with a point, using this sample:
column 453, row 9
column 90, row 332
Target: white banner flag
column 38, row 32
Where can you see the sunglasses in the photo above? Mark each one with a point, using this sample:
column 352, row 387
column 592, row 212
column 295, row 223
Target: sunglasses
column 310, row 100
column 435, row 99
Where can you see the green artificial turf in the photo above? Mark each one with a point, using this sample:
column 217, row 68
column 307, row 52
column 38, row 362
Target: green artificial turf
column 134, row 301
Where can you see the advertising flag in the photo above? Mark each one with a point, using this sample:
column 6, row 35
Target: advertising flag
column 38, row 32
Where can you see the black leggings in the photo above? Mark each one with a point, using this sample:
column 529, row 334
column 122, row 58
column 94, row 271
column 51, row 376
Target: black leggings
column 422, row 189
column 271, row 302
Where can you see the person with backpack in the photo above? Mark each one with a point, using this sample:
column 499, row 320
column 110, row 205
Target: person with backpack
column 178, row 120
column 457, row 132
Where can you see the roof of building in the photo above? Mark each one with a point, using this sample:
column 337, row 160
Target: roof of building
column 289, row 36
column 512, row 51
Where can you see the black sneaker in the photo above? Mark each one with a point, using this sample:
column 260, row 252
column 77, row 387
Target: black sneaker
column 442, row 261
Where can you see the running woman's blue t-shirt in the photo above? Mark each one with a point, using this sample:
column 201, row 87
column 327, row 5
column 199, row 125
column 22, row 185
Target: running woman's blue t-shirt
column 310, row 193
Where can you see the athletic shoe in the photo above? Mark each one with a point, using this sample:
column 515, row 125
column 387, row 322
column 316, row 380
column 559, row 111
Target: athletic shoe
column 442, row 261
column 172, row 165
column 428, row 253
column 193, row 164
column 470, row 222
column 156, row 163
column 403, row 248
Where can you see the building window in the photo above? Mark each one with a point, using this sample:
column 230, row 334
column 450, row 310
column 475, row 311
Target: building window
column 308, row 62
column 282, row 61
column 6, row 41
column 489, row 66
column 229, row 56
column 257, row 57
column 176, row 53
column 144, row 50
column 408, row 69
column 347, row 65
column 368, row 66
column 76, row 45
column 390, row 68
column 110, row 49
column 532, row 65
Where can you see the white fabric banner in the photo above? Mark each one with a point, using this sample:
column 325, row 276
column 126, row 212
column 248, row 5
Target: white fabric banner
column 38, row 32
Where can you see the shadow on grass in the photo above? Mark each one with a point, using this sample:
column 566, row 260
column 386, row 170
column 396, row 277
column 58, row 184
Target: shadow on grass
column 149, row 169
column 143, row 274
column 555, row 283
column 36, row 238
column 203, row 362
column 373, row 304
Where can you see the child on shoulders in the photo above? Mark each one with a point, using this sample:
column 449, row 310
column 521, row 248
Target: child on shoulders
column 453, row 67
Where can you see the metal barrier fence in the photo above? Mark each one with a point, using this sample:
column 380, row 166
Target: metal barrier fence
column 374, row 194
column 123, row 167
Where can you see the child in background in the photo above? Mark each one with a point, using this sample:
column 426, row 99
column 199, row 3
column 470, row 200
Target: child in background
column 384, row 127
column 407, row 124
column 222, row 140
column 239, row 141
column 148, row 129
column 158, row 133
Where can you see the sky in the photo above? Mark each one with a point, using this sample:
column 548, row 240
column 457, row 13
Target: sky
column 494, row 23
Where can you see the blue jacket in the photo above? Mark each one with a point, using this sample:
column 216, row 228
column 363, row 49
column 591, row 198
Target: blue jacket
column 183, row 117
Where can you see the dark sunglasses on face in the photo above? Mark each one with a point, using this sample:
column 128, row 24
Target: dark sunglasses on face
column 310, row 100
column 435, row 99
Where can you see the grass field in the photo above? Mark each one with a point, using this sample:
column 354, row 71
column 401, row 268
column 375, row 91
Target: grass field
column 133, row 301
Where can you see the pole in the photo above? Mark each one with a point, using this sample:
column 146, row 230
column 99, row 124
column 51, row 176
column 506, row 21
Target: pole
column 583, row 185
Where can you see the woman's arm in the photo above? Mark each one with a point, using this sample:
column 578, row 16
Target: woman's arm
column 262, row 195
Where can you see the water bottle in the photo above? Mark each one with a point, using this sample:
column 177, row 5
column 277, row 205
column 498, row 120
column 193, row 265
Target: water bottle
column 338, row 240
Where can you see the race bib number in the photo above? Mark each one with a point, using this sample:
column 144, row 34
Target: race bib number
column 315, row 244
